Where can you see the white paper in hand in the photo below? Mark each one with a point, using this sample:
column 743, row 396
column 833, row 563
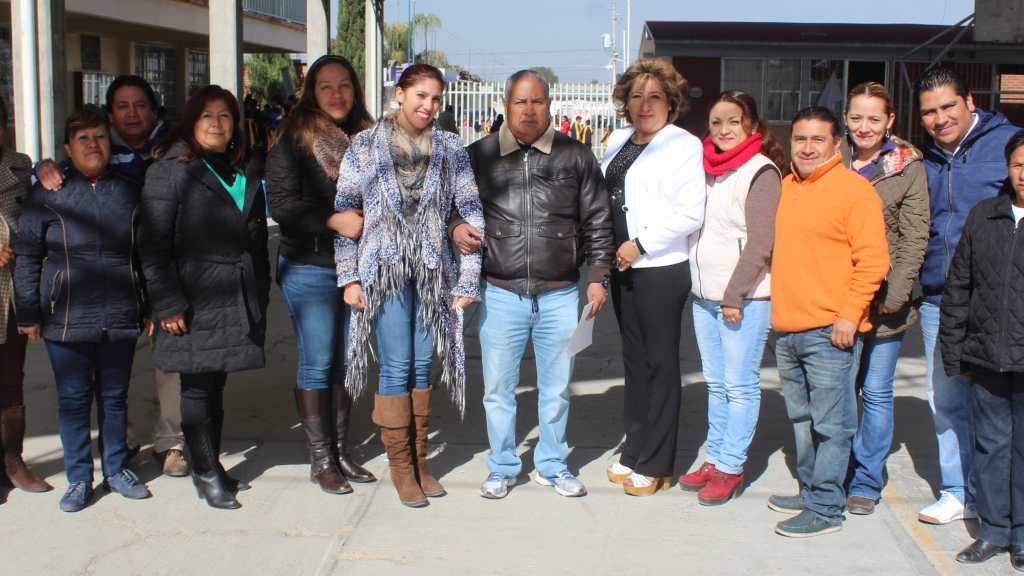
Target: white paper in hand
column 583, row 336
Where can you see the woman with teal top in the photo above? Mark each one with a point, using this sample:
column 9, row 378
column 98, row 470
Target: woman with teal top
column 203, row 244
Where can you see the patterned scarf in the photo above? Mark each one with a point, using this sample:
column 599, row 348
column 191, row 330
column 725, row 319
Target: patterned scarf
column 411, row 157
column 329, row 146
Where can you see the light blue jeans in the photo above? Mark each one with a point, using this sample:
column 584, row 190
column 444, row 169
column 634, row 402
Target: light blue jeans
column 507, row 321
column 730, row 356
column 874, row 436
column 950, row 401
column 406, row 350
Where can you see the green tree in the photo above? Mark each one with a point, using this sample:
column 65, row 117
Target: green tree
column 350, row 41
column 396, row 41
column 547, row 73
column 265, row 75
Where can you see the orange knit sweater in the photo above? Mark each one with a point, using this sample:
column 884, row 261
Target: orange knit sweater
column 831, row 253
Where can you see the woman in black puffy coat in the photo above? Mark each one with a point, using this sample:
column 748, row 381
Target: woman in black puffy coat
column 78, row 287
column 981, row 331
column 203, row 242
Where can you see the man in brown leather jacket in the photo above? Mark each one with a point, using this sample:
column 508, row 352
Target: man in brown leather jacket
column 546, row 210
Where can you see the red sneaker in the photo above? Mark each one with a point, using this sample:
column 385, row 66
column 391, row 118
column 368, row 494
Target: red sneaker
column 721, row 488
column 694, row 481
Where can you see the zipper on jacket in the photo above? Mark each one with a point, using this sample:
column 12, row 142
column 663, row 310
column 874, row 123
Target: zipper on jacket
column 529, row 221
column 55, row 286
column 945, row 230
column 696, row 253
column 1006, row 291
column 99, row 240
column 131, row 270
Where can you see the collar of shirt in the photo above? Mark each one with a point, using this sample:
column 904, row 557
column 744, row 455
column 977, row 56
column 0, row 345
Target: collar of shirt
column 974, row 123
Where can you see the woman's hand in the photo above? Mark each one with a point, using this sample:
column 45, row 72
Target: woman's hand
column 175, row 324
column 732, row 315
column 461, row 302
column 33, row 331
column 148, row 327
column 354, row 296
column 348, row 223
column 6, row 254
column 626, row 255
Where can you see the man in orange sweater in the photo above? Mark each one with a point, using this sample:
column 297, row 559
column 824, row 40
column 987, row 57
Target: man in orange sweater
column 830, row 258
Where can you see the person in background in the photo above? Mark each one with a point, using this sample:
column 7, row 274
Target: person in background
column 564, row 129
column 487, row 128
column 446, row 119
column 302, row 183
column 656, row 181
column 959, row 152
column 15, row 180
column 588, row 135
column 498, row 121
column 732, row 288
column 576, row 129
column 203, row 243
column 401, row 276
column 830, row 258
column 893, row 166
column 980, row 323
column 135, row 128
column 78, row 287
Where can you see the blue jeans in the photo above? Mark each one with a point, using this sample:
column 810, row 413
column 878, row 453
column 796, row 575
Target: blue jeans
column 320, row 319
column 818, row 381
column 406, row 350
column 730, row 356
column 950, row 401
column 83, row 371
column 507, row 321
column 874, row 437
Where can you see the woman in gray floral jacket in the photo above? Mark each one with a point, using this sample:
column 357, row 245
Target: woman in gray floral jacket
column 401, row 277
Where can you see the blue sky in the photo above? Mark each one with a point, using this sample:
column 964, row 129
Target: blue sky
column 494, row 39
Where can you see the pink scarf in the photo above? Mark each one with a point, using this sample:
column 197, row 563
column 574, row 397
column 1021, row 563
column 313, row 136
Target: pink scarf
column 718, row 163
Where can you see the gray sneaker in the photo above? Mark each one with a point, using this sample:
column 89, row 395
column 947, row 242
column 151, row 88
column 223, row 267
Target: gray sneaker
column 496, row 486
column 564, row 482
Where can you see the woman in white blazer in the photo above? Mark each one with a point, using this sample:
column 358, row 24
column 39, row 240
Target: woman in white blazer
column 655, row 177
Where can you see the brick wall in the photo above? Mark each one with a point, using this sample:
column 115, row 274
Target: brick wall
column 1012, row 83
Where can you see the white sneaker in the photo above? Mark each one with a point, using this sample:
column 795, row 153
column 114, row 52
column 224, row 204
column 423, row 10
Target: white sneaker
column 496, row 486
column 946, row 510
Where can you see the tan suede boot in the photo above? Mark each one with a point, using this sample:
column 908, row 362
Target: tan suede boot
column 394, row 416
column 422, row 406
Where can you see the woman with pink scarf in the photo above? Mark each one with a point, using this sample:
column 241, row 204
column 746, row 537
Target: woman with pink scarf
column 730, row 267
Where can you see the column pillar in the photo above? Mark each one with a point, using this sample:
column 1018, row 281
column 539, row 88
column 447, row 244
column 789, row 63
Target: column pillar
column 26, row 77
column 318, row 35
column 372, row 50
column 53, row 67
column 226, row 45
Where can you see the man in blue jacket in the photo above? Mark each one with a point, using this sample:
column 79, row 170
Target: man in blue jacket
column 963, row 158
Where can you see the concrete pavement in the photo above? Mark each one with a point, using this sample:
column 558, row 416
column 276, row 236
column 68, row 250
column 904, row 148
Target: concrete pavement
column 287, row 526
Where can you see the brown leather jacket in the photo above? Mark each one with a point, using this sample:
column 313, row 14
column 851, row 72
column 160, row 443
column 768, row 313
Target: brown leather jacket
column 546, row 210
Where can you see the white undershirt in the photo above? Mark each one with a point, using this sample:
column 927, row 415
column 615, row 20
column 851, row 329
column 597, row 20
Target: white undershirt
column 1018, row 213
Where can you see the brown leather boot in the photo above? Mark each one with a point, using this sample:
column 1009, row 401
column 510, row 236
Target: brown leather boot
column 422, row 406
column 394, row 416
column 12, row 424
column 341, row 406
column 313, row 413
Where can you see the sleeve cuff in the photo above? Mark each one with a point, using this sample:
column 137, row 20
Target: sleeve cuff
column 854, row 313
column 598, row 273
column 29, row 316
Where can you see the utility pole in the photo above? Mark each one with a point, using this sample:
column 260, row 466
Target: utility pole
column 409, row 26
column 615, row 52
column 629, row 33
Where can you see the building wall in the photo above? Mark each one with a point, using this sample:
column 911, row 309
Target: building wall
column 703, row 75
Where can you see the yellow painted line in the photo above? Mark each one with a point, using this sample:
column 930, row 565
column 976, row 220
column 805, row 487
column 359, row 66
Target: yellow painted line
column 917, row 530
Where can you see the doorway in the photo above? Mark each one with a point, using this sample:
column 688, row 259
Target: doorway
column 860, row 72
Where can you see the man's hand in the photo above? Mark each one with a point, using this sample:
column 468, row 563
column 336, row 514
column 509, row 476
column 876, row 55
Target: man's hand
column 461, row 302
column 50, row 175
column 33, row 331
column 467, row 238
column 354, row 296
column 597, row 294
column 844, row 333
column 175, row 324
column 348, row 223
column 6, row 255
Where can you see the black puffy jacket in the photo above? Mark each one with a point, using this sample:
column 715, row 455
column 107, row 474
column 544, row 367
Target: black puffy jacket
column 78, row 270
column 205, row 257
column 982, row 314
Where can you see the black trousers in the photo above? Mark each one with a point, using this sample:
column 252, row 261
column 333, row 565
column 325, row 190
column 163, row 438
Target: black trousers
column 202, row 396
column 649, row 305
column 999, row 454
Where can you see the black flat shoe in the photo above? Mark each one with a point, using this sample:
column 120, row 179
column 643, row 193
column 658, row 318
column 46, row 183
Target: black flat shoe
column 1017, row 557
column 979, row 551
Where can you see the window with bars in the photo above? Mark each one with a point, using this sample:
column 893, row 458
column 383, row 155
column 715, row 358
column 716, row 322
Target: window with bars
column 94, row 88
column 198, row 70
column 158, row 65
column 782, row 86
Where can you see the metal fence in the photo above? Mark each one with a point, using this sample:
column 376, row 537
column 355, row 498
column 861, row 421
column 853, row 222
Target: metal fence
column 477, row 103
column 293, row 10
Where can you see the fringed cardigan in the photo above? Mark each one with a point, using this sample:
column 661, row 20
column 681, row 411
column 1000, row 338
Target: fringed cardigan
column 389, row 253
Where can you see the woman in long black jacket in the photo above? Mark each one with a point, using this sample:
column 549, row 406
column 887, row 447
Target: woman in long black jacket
column 203, row 242
column 302, row 181
column 981, row 331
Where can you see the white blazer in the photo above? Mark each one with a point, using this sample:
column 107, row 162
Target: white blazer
column 665, row 193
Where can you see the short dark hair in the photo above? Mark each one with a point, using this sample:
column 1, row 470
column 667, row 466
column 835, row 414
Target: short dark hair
column 822, row 114
column 81, row 120
column 935, row 78
column 130, row 80
column 579, row 117
column 1016, row 141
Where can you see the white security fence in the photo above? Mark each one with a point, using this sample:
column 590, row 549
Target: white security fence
column 477, row 103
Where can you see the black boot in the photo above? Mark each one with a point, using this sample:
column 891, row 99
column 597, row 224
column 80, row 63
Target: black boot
column 231, row 484
column 979, row 551
column 341, row 408
column 313, row 413
column 205, row 464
